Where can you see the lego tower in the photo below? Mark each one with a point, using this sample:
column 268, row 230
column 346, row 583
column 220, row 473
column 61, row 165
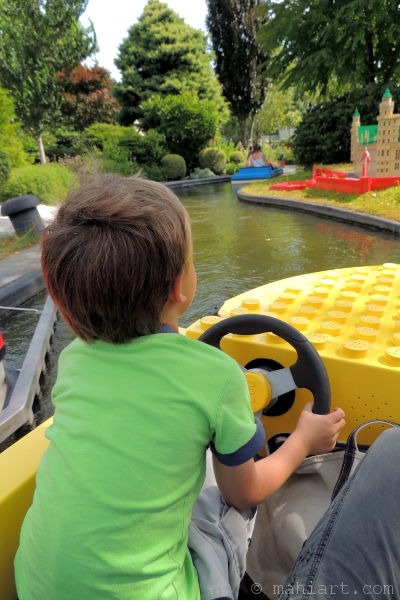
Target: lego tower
column 384, row 146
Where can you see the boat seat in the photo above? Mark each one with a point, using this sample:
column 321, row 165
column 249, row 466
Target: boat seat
column 18, row 467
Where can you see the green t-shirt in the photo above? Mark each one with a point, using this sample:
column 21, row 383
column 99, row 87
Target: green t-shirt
column 126, row 462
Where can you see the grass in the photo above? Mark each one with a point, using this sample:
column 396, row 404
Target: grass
column 12, row 244
column 381, row 203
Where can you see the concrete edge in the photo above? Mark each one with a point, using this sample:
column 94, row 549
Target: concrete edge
column 324, row 210
column 18, row 292
column 193, row 182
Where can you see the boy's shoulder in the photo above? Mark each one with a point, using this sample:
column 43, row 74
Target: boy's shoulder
column 168, row 342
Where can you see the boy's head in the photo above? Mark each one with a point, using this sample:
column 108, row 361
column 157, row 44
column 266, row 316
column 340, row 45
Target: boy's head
column 112, row 256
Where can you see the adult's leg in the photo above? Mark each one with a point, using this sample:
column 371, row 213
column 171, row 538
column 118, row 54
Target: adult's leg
column 354, row 552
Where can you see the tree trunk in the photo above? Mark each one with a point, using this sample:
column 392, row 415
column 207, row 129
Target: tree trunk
column 41, row 150
column 252, row 128
column 242, row 125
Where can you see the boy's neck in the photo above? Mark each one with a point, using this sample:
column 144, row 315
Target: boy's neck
column 170, row 315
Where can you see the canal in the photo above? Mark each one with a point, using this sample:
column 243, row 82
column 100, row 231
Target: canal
column 237, row 246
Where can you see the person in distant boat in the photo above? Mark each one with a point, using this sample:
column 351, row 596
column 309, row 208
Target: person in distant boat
column 256, row 158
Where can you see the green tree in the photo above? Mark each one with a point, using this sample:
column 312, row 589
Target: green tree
column 39, row 38
column 10, row 141
column 320, row 43
column 86, row 97
column 187, row 122
column 240, row 62
column 162, row 55
column 281, row 109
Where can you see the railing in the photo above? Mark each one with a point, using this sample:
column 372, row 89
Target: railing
column 19, row 410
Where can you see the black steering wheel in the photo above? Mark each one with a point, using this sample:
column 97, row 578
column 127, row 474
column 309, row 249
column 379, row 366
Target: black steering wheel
column 307, row 372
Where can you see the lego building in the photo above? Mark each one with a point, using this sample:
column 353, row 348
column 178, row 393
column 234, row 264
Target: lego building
column 381, row 140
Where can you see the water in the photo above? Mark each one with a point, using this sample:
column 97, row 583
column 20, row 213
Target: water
column 237, row 246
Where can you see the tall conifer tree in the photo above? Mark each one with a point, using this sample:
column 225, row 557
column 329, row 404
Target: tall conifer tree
column 240, row 63
column 163, row 55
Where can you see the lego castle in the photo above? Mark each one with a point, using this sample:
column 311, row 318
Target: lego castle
column 381, row 140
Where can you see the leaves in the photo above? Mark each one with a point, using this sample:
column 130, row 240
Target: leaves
column 320, row 44
column 240, row 62
column 163, row 55
column 39, row 38
column 187, row 122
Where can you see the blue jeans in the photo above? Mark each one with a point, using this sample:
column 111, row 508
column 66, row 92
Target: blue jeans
column 354, row 552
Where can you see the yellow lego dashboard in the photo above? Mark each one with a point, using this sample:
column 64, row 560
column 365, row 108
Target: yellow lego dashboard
column 351, row 317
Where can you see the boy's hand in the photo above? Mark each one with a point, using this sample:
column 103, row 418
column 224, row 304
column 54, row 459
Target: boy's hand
column 319, row 432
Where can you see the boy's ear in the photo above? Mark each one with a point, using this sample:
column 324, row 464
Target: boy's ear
column 176, row 293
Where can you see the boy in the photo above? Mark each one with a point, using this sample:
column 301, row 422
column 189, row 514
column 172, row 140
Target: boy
column 136, row 407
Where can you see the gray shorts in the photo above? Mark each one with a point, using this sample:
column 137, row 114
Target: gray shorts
column 219, row 537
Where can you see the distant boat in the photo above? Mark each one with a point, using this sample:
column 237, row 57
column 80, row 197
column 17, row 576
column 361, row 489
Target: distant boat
column 250, row 174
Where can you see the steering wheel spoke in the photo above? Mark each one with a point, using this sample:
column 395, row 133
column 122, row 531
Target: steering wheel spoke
column 307, row 372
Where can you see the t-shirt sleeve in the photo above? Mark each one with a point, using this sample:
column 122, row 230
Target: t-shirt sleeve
column 237, row 435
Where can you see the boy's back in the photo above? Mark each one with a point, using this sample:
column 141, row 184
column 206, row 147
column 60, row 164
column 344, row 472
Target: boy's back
column 117, row 485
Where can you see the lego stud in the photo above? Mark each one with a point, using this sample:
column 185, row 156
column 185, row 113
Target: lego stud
column 208, row 321
column 318, row 340
column 251, row 303
column 392, row 356
column 239, row 311
column 299, row 323
column 307, row 311
column 331, row 328
column 355, row 348
column 287, row 297
column 278, row 307
column 338, row 316
column 366, row 333
column 370, row 321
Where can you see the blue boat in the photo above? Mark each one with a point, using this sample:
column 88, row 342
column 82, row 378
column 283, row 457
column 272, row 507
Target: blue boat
column 256, row 173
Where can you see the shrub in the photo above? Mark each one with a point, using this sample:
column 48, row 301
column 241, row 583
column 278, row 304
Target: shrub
column 50, row 183
column 231, row 168
column 237, row 157
column 175, row 166
column 201, row 173
column 154, row 173
column 144, row 149
column 107, row 137
column 212, row 158
column 187, row 122
column 122, row 167
column 5, row 167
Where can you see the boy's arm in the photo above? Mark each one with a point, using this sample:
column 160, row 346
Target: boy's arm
column 252, row 482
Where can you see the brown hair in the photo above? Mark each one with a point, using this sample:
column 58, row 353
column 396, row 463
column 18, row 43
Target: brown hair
column 112, row 255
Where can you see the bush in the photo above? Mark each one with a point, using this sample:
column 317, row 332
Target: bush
column 144, row 149
column 187, row 122
column 50, row 183
column 212, row 158
column 237, row 157
column 122, row 167
column 5, row 167
column 323, row 136
column 231, row 168
column 106, row 138
column 175, row 166
column 154, row 173
column 201, row 173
